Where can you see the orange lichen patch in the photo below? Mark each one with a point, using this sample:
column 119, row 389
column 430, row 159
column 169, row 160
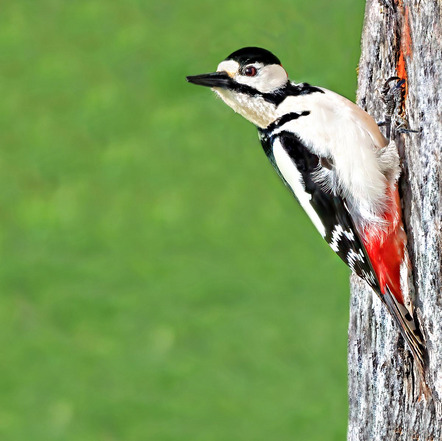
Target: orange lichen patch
column 400, row 66
column 405, row 50
column 406, row 35
column 402, row 71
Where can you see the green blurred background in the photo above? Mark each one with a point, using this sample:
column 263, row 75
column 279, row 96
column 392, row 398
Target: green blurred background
column 157, row 280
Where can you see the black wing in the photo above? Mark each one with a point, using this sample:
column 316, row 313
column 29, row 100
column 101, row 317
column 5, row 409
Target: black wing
column 340, row 231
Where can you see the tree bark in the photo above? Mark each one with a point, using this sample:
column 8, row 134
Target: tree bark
column 402, row 38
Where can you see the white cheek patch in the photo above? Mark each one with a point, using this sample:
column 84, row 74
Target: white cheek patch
column 269, row 78
column 294, row 179
column 231, row 67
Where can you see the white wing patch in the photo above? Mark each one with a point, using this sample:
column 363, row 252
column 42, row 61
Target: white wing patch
column 294, row 179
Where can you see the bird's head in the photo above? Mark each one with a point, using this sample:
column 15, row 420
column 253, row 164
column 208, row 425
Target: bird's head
column 251, row 81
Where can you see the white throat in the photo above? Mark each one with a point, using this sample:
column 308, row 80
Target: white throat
column 254, row 108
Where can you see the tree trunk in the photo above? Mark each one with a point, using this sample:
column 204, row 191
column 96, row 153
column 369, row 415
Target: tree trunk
column 402, row 38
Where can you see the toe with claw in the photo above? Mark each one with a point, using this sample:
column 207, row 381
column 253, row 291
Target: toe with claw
column 393, row 95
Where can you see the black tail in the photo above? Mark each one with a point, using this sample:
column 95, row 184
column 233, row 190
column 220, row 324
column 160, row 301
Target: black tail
column 409, row 328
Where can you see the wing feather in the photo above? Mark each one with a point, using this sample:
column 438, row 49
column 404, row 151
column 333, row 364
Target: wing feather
column 330, row 212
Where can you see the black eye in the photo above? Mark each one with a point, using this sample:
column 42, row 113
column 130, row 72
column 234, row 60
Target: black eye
column 250, row 71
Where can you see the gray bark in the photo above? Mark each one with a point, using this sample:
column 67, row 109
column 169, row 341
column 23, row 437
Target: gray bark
column 385, row 400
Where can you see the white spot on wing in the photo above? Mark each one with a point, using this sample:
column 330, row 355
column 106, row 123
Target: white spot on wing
column 336, row 236
column 338, row 232
column 353, row 257
column 369, row 277
column 294, row 179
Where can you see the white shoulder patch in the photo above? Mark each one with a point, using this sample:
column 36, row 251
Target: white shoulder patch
column 294, row 179
column 338, row 129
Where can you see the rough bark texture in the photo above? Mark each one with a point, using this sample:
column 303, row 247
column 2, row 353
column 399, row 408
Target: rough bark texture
column 402, row 38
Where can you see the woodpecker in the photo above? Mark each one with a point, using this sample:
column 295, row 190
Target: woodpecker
column 332, row 156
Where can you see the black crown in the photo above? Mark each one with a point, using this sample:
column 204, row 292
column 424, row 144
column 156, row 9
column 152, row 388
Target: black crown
column 253, row 55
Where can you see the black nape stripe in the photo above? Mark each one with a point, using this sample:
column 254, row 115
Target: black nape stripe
column 302, row 89
column 279, row 95
column 285, row 119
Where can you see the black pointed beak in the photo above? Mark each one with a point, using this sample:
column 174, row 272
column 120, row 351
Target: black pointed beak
column 215, row 79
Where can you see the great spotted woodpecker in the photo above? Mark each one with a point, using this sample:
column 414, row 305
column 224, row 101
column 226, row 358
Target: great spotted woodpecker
column 338, row 165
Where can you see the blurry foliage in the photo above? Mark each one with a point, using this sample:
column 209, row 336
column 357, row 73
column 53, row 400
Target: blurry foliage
column 158, row 282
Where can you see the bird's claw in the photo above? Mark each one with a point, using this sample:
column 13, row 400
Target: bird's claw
column 393, row 96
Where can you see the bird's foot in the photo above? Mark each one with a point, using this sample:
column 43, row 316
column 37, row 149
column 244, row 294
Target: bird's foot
column 393, row 96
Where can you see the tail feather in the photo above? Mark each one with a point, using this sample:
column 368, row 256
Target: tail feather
column 408, row 327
